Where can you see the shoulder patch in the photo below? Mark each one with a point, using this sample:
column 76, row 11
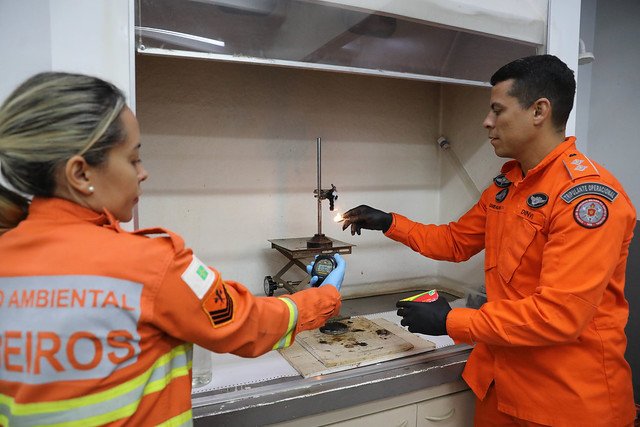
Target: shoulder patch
column 591, row 213
column 198, row 277
column 580, row 166
column 593, row 188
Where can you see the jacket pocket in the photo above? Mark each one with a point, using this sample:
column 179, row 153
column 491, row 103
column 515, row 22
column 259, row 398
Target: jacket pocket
column 518, row 237
column 493, row 231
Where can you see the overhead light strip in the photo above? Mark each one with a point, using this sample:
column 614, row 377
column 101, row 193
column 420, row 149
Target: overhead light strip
column 164, row 34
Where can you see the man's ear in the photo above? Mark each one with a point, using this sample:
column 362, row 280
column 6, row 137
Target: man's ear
column 78, row 173
column 541, row 111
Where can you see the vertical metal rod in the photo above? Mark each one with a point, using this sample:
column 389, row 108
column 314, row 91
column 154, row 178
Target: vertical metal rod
column 318, row 149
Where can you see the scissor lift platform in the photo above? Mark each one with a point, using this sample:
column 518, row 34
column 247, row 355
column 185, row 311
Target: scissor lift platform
column 297, row 253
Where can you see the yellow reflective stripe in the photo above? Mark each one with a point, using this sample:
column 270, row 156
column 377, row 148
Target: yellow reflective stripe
column 4, row 421
column 286, row 340
column 161, row 383
column 178, row 420
column 125, row 411
column 65, row 405
column 130, row 409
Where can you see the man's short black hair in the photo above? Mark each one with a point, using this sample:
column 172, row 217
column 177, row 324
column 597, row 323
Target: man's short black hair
column 541, row 76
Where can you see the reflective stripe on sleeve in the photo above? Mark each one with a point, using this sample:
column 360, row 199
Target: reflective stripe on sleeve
column 287, row 338
column 184, row 419
column 100, row 408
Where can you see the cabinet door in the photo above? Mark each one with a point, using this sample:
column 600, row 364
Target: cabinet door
column 453, row 410
column 405, row 416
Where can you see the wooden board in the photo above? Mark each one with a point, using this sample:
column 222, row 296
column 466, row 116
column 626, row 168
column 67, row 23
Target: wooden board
column 364, row 339
column 368, row 341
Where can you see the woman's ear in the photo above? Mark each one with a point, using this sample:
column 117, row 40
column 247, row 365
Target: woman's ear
column 541, row 111
column 78, row 173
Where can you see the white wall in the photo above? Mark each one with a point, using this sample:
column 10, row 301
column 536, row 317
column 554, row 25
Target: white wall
column 23, row 53
column 614, row 114
column 92, row 37
column 463, row 110
column 563, row 28
column 583, row 90
column 232, row 155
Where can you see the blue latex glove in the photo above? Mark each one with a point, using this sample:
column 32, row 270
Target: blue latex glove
column 335, row 277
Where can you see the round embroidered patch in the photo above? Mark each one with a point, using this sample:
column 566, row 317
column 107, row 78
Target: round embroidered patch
column 591, row 213
column 537, row 200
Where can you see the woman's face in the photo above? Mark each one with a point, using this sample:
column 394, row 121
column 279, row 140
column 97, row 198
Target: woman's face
column 117, row 181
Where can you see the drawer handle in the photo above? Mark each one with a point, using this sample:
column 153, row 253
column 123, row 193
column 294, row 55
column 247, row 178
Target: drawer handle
column 404, row 423
column 442, row 418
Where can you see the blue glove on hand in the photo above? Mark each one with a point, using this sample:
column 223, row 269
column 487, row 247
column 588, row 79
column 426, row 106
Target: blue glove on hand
column 428, row 318
column 335, row 277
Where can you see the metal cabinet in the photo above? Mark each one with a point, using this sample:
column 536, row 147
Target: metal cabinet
column 404, row 416
column 447, row 405
column 454, row 410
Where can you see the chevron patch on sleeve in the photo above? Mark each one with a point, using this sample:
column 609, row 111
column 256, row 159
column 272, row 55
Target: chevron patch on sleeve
column 218, row 304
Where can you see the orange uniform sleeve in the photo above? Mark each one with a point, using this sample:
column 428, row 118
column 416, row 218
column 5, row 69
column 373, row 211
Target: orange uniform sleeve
column 457, row 241
column 194, row 304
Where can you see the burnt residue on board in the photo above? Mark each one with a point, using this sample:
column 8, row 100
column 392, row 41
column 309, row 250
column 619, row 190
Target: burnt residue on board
column 334, row 328
column 364, row 340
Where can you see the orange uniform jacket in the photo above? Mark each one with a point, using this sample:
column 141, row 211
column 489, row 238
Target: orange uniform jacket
column 95, row 321
column 551, row 335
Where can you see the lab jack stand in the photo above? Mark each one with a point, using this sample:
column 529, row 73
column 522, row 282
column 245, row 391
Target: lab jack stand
column 299, row 254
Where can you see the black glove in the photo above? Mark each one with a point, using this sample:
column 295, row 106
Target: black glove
column 366, row 217
column 428, row 318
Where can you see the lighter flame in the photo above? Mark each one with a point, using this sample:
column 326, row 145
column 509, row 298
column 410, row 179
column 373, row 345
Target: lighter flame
column 338, row 217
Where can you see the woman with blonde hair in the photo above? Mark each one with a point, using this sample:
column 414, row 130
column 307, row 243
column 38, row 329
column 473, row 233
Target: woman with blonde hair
column 96, row 322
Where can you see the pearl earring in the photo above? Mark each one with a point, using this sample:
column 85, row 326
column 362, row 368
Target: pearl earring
column 91, row 189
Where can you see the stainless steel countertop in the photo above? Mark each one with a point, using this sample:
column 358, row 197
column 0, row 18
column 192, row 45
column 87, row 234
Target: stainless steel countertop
column 295, row 397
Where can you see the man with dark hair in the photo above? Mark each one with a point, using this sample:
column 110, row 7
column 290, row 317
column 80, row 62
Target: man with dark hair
column 555, row 227
column 541, row 76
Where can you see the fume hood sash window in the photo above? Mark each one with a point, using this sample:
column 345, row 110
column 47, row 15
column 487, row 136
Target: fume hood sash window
column 326, row 35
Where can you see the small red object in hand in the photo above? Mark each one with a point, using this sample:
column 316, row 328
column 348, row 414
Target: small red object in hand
column 428, row 296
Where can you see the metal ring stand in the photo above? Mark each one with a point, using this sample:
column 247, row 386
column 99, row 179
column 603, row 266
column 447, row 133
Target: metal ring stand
column 299, row 249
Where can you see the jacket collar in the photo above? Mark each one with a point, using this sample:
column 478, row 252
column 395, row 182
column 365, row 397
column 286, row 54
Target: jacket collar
column 513, row 170
column 56, row 209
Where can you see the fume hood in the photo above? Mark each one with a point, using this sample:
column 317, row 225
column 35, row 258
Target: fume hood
column 435, row 40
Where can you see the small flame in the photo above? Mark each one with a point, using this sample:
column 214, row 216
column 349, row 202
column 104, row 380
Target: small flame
column 338, row 217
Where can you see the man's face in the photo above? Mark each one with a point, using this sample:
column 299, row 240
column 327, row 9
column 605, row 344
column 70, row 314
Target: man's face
column 510, row 126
